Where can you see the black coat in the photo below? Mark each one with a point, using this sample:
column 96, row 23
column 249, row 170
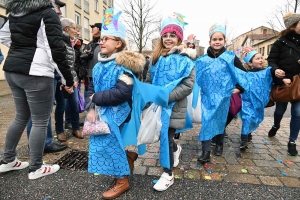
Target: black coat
column 284, row 55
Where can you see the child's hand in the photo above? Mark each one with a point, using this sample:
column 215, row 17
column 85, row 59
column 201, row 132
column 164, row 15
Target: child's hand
column 287, row 81
column 279, row 73
column 235, row 91
column 91, row 97
column 91, row 115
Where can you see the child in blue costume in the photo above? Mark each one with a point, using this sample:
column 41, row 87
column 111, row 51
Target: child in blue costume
column 111, row 89
column 217, row 83
column 169, row 67
column 256, row 96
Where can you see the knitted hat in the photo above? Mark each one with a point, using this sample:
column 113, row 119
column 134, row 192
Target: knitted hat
column 111, row 25
column 191, row 38
column 173, row 24
column 290, row 18
column 249, row 53
column 217, row 28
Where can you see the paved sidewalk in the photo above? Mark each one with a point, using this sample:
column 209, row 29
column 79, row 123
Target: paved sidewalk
column 265, row 162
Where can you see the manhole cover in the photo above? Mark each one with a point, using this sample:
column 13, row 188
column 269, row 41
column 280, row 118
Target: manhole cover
column 74, row 160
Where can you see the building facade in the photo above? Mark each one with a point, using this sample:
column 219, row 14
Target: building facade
column 254, row 38
column 86, row 13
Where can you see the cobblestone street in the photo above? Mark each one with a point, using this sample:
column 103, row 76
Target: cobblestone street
column 265, row 162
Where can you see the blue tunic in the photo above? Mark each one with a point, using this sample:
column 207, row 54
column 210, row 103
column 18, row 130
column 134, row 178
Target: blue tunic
column 168, row 72
column 106, row 152
column 256, row 96
column 216, row 81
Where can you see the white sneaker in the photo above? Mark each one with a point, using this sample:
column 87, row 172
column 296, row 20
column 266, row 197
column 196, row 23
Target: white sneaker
column 176, row 155
column 15, row 165
column 43, row 171
column 164, row 182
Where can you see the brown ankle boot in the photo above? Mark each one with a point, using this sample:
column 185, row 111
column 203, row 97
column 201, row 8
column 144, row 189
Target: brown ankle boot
column 131, row 157
column 77, row 134
column 61, row 137
column 121, row 186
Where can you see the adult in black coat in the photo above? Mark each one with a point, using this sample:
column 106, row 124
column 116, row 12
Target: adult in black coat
column 284, row 58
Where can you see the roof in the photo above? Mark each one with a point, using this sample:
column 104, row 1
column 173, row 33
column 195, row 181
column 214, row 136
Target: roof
column 258, row 37
column 266, row 40
column 255, row 29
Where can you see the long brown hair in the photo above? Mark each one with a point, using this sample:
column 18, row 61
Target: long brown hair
column 160, row 50
column 288, row 30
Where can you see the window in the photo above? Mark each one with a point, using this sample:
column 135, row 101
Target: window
column 63, row 11
column 86, row 6
column 86, row 29
column 109, row 3
column 104, row 10
column 269, row 48
column 96, row 5
column 77, row 18
column 2, row 20
column 78, row 3
column 105, row 2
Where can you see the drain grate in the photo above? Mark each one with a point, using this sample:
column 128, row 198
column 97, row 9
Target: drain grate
column 74, row 160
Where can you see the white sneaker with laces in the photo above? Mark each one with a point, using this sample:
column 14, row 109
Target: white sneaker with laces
column 43, row 171
column 164, row 182
column 176, row 155
column 15, row 165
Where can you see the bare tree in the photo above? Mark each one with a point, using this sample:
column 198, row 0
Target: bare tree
column 142, row 21
column 275, row 20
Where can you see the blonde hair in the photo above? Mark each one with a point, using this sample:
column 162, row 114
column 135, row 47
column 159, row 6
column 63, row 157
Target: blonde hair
column 160, row 50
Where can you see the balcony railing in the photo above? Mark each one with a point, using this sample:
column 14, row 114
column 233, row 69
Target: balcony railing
column 86, row 6
column 87, row 34
column 78, row 3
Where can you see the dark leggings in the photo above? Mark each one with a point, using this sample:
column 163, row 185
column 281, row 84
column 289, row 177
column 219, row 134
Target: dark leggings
column 219, row 139
column 172, row 149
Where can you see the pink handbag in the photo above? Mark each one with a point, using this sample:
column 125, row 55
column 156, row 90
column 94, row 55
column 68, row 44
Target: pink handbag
column 235, row 104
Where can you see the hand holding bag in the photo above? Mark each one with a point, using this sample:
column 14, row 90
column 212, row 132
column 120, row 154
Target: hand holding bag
column 287, row 93
column 149, row 131
column 94, row 124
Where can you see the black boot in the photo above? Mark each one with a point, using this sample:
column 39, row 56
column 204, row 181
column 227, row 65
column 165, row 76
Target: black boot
column 292, row 150
column 244, row 142
column 205, row 157
column 218, row 150
column 249, row 137
column 273, row 131
column 213, row 141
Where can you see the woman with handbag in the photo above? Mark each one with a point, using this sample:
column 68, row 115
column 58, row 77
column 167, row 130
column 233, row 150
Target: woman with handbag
column 284, row 59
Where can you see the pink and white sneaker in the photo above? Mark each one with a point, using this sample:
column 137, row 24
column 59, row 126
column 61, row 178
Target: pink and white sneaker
column 43, row 171
column 164, row 182
column 15, row 165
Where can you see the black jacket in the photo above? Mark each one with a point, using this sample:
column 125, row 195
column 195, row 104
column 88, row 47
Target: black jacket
column 237, row 63
column 284, row 55
column 34, row 34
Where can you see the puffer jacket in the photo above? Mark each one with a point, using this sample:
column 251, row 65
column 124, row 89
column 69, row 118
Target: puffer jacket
column 284, row 55
column 70, row 55
column 34, row 35
column 180, row 93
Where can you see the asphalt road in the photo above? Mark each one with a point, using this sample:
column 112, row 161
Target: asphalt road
column 73, row 185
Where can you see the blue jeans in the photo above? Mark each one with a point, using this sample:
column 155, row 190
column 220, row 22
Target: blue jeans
column 33, row 98
column 295, row 119
column 49, row 136
column 61, row 103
